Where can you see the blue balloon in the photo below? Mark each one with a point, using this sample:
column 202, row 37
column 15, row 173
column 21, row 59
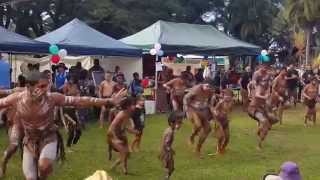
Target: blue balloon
column 266, row 59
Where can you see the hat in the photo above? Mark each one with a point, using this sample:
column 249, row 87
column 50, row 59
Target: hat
column 99, row 175
column 290, row 171
column 272, row 177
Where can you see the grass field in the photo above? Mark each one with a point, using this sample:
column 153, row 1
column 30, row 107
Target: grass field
column 290, row 141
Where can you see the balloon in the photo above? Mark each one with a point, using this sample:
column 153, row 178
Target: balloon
column 153, row 52
column 157, row 46
column 264, row 52
column 63, row 53
column 55, row 59
column 53, row 49
column 160, row 53
column 265, row 58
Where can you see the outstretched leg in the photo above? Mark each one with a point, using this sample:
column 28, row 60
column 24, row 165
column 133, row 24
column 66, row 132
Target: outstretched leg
column 14, row 139
column 206, row 129
column 102, row 116
column 197, row 126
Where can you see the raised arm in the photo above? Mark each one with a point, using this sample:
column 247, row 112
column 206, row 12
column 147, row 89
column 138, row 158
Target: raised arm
column 9, row 100
column 62, row 100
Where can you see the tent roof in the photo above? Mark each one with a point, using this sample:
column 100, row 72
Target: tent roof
column 80, row 39
column 189, row 38
column 11, row 42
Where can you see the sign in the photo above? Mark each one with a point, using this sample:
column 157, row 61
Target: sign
column 97, row 77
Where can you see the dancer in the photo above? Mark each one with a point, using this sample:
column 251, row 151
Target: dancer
column 70, row 113
column 258, row 109
column 105, row 91
column 42, row 143
column 166, row 151
column 138, row 116
column 278, row 95
column 116, row 135
column 309, row 94
column 196, row 105
column 220, row 112
column 177, row 88
column 15, row 133
column 244, row 81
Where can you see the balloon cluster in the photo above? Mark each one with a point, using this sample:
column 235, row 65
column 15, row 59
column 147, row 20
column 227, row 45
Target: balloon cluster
column 263, row 57
column 156, row 50
column 57, row 54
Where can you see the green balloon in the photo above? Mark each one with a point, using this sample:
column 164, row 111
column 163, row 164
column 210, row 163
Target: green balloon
column 53, row 49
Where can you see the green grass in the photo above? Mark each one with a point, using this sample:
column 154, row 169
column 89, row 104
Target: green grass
column 242, row 161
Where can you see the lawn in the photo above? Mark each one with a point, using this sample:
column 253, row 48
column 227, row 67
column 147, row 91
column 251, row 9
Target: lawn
column 290, row 141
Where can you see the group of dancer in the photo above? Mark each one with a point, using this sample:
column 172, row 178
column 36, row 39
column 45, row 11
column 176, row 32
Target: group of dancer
column 32, row 111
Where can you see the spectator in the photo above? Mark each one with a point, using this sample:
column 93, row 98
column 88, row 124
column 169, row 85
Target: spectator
column 96, row 67
column 292, row 82
column 189, row 75
column 135, row 87
column 21, row 81
column 30, row 66
column 61, row 77
column 307, row 76
column 119, row 83
column 5, row 74
column 199, row 76
column 288, row 171
column 36, row 67
column 116, row 72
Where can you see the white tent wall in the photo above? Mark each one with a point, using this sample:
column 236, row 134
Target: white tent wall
column 127, row 65
column 20, row 63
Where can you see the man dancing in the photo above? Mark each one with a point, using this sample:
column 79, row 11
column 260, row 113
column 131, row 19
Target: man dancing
column 116, row 135
column 309, row 94
column 220, row 112
column 244, row 81
column 15, row 132
column 278, row 95
column 35, row 108
column 177, row 88
column 196, row 105
column 258, row 107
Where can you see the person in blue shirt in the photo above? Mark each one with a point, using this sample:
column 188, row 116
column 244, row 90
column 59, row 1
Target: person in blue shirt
column 61, row 77
column 5, row 74
column 136, row 88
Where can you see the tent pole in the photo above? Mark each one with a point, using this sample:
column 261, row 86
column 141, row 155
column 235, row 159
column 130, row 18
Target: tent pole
column 10, row 61
column 156, row 80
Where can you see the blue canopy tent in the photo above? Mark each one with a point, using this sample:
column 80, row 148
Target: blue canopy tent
column 80, row 39
column 11, row 42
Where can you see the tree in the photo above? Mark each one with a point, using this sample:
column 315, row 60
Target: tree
column 304, row 14
column 250, row 20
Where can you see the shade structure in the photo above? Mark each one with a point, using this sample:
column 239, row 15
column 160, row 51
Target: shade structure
column 11, row 42
column 80, row 39
column 189, row 39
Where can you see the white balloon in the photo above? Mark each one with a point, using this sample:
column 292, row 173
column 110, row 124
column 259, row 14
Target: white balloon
column 153, row 52
column 264, row 52
column 157, row 46
column 160, row 53
column 62, row 53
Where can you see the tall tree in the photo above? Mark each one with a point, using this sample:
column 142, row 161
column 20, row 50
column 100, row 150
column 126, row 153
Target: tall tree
column 304, row 14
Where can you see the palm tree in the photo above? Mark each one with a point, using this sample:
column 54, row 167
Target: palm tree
column 304, row 14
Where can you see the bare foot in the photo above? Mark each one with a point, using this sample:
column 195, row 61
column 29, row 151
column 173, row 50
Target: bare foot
column 259, row 148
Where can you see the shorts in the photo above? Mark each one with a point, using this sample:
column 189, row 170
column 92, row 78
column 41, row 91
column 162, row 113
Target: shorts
column 311, row 104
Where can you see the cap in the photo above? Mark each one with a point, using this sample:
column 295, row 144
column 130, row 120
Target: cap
column 290, row 171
